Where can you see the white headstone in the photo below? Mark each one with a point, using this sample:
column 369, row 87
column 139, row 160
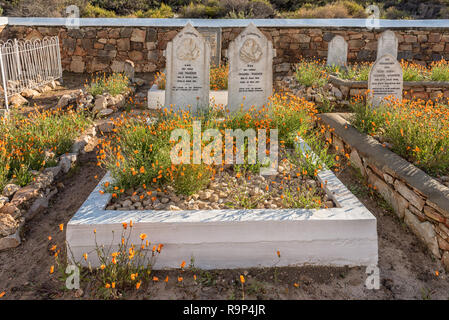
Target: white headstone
column 187, row 64
column 387, row 44
column 385, row 79
column 250, row 69
column 337, row 52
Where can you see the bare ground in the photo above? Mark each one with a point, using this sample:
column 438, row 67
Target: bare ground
column 407, row 269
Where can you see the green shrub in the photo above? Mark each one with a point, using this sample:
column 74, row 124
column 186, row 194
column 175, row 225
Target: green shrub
column 91, row 11
column 440, row 71
column 115, row 83
column 164, row 11
column 311, row 73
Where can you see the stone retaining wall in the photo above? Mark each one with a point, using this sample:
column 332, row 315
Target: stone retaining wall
column 106, row 47
column 425, row 90
column 418, row 199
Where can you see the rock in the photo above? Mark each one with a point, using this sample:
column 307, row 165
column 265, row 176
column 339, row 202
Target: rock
column 8, row 225
column 337, row 93
column 66, row 161
column 139, row 82
column 17, row 100
column 204, row 195
column 106, row 126
column 214, row 198
column 117, row 100
column 127, row 203
column 10, row 209
column 25, row 194
column 174, row 208
column 329, row 204
column 10, row 189
column 39, row 205
column 30, row 93
column 101, row 103
column 445, row 178
column 105, row 113
column 129, row 70
column 10, row 241
column 165, row 200
column 63, row 101
column 135, row 198
column 3, row 200
column 424, row 231
column 445, row 260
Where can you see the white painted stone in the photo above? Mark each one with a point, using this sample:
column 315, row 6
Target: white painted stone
column 337, row 52
column 187, row 63
column 385, row 79
column 387, row 44
column 250, row 69
column 345, row 235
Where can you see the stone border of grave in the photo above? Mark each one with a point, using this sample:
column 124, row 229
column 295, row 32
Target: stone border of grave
column 217, row 239
column 21, row 204
column 411, row 89
column 418, row 199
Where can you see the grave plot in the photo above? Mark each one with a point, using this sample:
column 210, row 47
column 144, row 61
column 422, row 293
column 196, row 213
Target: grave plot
column 304, row 210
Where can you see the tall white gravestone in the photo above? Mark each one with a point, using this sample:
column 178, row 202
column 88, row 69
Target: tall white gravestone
column 387, row 44
column 250, row 69
column 187, row 66
column 385, row 79
column 337, row 52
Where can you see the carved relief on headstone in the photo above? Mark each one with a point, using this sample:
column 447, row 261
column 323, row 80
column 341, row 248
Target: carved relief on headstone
column 187, row 65
column 337, row 52
column 250, row 69
column 387, row 44
column 385, row 79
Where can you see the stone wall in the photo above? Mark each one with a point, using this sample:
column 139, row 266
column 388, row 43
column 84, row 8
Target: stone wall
column 417, row 199
column 105, row 48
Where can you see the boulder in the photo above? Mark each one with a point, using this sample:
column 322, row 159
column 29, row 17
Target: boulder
column 10, row 189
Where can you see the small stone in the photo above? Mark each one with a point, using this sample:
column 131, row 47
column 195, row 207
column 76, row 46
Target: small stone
column 174, row 208
column 329, row 204
column 63, row 101
column 7, row 225
column 214, row 198
column 135, row 198
column 127, row 203
column 165, row 200
column 101, row 103
column 204, row 195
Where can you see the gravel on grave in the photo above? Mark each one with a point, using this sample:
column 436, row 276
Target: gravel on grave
column 229, row 190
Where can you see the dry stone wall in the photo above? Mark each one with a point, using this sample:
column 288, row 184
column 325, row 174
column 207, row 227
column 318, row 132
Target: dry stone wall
column 105, row 48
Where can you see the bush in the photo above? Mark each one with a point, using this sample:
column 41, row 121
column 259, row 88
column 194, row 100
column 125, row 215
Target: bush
column 164, row 11
column 311, row 73
column 212, row 9
column 122, row 7
column 32, row 142
column 91, row 11
column 439, row 71
column 340, row 9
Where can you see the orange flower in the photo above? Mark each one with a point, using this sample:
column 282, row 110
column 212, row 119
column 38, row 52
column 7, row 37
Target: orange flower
column 113, row 285
column 2, row 294
column 52, row 269
column 155, row 279
column 278, row 253
column 125, row 225
column 138, row 285
column 242, row 279
column 61, row 226
column 183, row 264
column 102, row 267
column 180, row 279
column 107, row 286
column 296, row 285
column 166, row 279
column 143, row 236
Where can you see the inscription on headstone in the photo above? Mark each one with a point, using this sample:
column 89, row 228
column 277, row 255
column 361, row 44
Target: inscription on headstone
column 188, row 63
column 337, row 53
column 385, row 79
column 387, row 44
column 250, row 69
column 213, row 36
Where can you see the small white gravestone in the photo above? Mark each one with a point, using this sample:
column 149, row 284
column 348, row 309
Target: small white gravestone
column 187, row 64
column 387, row 44
column 250, row 80
column 385, row 79
column 337, row 52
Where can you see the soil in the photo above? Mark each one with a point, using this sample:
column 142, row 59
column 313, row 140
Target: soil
column 407, row 270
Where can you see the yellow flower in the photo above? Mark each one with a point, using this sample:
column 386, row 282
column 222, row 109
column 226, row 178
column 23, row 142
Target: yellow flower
column 52, row 269
column 242, row 279
column 138, row 285
column 61, row 226
column 143, row 236
column 102, row 267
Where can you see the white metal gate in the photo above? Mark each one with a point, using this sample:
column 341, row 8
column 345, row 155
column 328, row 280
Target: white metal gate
column 28, row 64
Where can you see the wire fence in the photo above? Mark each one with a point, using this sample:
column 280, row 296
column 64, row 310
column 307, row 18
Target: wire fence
column 28, row 64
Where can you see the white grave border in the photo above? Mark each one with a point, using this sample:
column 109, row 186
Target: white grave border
column 342, row 236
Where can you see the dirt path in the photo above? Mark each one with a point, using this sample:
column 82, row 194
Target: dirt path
column 406, row 268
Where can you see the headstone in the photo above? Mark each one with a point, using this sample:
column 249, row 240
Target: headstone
column 129, row 70
column 387, row 44
column 250, row 80
column 187, row 64
column 213, row 36
column 385, row 79
column 337, row 52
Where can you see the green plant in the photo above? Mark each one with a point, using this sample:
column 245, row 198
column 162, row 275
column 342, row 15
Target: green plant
column 440, row 71
column 189, row 179
column 115, row 83
column 90, row 11
column 311, row 73
column 164, row 11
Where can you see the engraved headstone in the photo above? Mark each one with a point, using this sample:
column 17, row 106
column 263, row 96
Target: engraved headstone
column 337, row 52
column 387, row 44
column 250, row 80
column 187, row 64
column 385, row 79
column 213, row 36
